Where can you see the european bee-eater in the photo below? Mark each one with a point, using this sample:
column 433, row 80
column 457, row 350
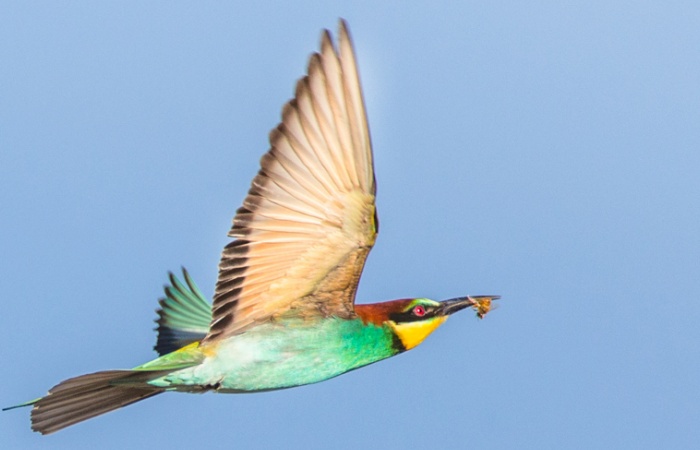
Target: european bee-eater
column 283, row 312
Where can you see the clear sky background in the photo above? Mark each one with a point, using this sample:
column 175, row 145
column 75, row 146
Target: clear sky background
column 548, row 152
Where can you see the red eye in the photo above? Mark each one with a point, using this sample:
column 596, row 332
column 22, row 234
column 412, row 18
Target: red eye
column 419, row 310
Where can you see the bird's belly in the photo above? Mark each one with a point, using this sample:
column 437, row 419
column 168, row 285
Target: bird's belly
column 282, row 356
column 283, row 370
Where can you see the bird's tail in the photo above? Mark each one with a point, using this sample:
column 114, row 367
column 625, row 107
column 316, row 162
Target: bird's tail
column 87, row 396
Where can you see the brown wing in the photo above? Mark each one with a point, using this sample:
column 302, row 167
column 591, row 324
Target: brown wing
column 308, row 222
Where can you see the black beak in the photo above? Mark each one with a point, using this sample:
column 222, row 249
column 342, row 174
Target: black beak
column 453, row 305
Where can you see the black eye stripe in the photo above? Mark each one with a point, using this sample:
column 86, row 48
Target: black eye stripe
column 409, row 315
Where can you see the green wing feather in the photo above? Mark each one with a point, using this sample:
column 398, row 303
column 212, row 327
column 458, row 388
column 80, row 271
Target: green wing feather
column 183, row 317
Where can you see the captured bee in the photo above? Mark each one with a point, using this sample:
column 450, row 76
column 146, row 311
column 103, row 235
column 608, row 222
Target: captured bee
column 482, row 304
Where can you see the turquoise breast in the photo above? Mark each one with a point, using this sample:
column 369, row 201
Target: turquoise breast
column 285, row 354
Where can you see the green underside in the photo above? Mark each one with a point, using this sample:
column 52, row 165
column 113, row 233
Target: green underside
column 278, row 355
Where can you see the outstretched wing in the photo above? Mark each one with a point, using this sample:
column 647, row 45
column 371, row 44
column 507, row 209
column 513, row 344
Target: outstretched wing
column 184, row 315
column 309, row 221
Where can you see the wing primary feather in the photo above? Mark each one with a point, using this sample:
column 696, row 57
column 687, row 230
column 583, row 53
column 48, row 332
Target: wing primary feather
column 356, row 105
column 310, row 129
column 298, row 165
column 292, row 128
column 321, row 103
column 336, row 96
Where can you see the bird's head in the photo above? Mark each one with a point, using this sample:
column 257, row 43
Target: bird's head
column 412, row 320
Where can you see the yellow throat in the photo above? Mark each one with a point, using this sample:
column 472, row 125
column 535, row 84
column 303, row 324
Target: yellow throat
column 413, row 333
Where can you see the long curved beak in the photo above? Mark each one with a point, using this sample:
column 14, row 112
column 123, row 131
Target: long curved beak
column 453, row 305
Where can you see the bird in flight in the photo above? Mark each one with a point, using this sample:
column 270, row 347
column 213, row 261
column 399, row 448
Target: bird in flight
column 284, row 312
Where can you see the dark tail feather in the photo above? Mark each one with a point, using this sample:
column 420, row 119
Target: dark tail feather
column 87, row 396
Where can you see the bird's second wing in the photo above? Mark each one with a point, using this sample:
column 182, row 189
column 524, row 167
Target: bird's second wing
column 308, row 221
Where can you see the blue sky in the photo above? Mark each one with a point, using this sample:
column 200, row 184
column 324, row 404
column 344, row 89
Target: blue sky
column 547, row 152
